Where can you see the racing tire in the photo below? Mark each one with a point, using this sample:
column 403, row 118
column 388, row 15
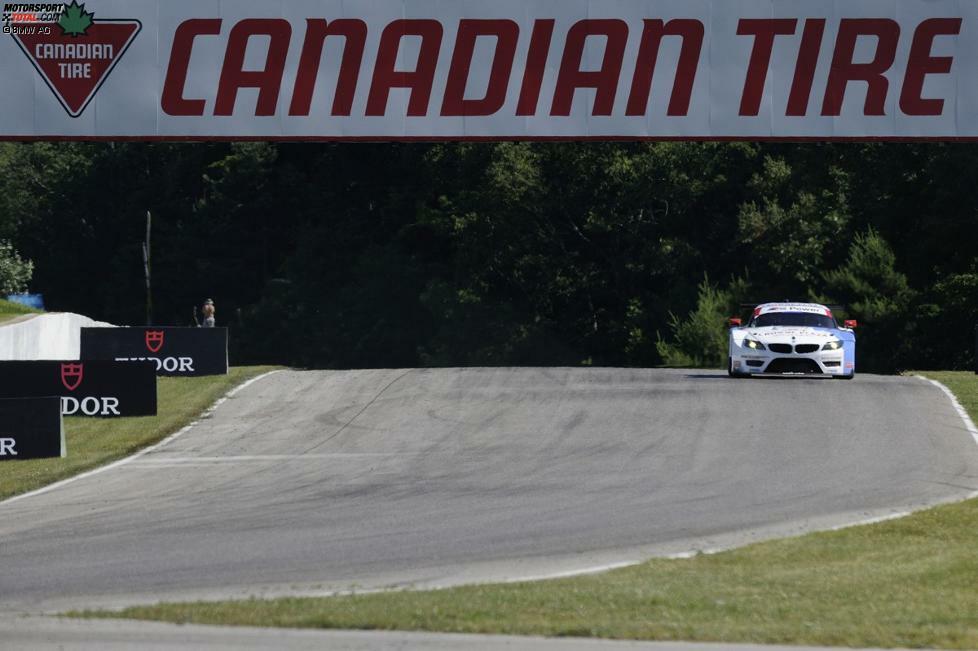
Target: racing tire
column 731, row 373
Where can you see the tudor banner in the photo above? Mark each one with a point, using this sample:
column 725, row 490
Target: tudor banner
column 31, row 428
column 102, row 389
column 506, row 69
column 173, row 351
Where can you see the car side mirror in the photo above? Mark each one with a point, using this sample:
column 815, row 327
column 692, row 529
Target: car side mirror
column 735, row 322
column 852, row 325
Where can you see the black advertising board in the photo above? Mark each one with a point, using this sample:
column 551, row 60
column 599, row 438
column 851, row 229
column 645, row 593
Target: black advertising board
column 177, row 352
column 102, row 389
column 31, row 428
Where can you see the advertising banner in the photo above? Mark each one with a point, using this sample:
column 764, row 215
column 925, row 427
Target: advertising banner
column 473, row 70
column 100, row 389
column 31, row 428
column 173, row 351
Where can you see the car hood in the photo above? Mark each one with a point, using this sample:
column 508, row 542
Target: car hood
column 790, row 334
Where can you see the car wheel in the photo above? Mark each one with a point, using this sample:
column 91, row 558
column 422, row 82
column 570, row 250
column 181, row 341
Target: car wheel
column 731, row 372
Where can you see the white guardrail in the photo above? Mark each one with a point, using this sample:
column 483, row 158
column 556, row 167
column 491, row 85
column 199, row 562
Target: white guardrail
column 45, row 336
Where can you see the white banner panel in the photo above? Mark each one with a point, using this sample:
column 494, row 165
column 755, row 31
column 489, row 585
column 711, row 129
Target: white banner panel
column 506, row 69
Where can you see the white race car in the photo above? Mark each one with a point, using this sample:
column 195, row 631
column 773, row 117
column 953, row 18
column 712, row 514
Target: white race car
column 792, row 339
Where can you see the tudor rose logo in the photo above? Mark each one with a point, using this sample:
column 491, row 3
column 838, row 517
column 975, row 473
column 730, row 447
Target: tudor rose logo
column 76, row 54
column 72, row 375
column 154, row 340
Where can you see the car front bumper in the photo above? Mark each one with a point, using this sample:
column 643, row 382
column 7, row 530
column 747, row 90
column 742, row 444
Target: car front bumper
column 759, row 362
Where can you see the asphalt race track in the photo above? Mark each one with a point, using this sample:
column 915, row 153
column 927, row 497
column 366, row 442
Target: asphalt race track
column 315, row 481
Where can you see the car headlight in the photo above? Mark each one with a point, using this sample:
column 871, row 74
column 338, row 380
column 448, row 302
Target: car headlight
column 833, row 345
column 753, row 345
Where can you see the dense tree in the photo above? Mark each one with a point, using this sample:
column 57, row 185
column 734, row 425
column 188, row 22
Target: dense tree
column 507, row 253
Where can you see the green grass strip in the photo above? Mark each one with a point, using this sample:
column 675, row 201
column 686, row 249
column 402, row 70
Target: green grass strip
column 10, row 310
column 96, row 442
column 964, row 386
column 905, row 583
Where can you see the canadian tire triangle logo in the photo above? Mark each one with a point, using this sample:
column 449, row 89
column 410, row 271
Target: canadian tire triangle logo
column 76, row 54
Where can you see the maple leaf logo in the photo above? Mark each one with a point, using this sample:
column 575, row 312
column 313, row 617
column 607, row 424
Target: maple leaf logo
column 75, row 21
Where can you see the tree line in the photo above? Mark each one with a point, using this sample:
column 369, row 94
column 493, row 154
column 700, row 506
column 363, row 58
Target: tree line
column 402, row 255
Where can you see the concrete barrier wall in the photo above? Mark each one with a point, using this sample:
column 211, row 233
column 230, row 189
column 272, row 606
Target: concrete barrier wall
column 45, row 336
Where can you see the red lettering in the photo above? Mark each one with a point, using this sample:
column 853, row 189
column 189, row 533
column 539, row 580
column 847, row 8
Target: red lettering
column 692, row 33
column 764, row 32
column 317, row 31
column 536, row 66
column 921, row 64
column 605, row 80
column 420, row 80
column 507, row 34
column 269, row 80
column 172, row 101
column 844, row 70
column 801, row 87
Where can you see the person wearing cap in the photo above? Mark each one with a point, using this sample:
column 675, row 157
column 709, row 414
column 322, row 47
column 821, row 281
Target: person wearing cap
column 208, row 312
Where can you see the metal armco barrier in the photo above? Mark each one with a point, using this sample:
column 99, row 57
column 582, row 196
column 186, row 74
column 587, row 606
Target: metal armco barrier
column 173, row 351
column 97, row 389
column 31, row 428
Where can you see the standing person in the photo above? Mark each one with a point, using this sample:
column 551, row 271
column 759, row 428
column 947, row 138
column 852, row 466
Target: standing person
column 208, row 311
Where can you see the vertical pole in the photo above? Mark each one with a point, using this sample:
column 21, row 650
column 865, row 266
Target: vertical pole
column 148, row 267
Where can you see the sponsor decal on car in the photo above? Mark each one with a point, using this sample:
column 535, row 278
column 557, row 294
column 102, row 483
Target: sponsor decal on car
column 791, row 307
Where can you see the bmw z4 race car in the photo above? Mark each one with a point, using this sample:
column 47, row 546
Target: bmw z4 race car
column 792, row 339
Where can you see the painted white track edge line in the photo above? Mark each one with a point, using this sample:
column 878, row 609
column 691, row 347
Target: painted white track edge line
column 121, row 462
column 968, row 423
column 584, row 571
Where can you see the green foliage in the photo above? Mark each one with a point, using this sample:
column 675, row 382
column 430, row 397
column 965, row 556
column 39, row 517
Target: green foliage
column 504, row 253
column 75, row 21
column 701, row 340
column 15, row 272
column 877, row 295
column 869, row 281
column 10, row 310
column 790, row 230
column 950, row 306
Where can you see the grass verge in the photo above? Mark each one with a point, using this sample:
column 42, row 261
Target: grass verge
column 96, row 442
column 10, row 310
column 964, row 386
column 904, row 583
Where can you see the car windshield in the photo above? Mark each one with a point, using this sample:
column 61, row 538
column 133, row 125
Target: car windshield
column 797, row 319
